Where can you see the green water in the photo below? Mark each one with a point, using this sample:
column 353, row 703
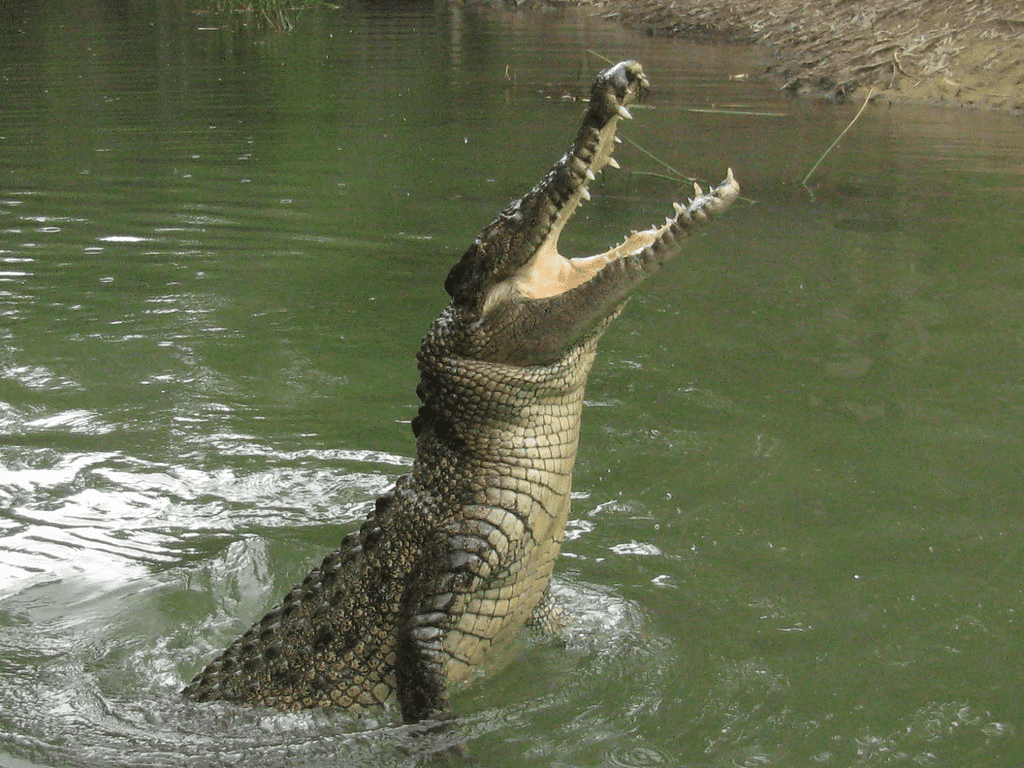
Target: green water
column 797, row 530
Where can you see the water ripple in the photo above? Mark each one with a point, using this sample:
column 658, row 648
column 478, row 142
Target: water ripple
column 638, row 756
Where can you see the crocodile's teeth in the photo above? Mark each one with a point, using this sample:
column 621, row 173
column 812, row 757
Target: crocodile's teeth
column 617, row 139
column 624, row 113
column 613, row 163
column 678, row 207
column 590, row 174
column 697, row 189
column 585, row 193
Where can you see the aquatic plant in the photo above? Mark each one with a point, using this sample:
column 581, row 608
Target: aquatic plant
column 258, row 14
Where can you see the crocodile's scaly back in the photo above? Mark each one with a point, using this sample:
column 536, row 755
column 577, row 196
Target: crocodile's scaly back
column 458, row 557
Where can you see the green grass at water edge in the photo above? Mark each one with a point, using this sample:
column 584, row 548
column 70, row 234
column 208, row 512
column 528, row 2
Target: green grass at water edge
column 258, row 14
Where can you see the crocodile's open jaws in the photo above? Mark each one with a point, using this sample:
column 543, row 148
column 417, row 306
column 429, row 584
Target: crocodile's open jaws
column 458, row 557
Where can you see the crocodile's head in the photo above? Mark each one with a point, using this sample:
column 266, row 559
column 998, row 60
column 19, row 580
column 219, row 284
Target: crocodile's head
column 525, row 302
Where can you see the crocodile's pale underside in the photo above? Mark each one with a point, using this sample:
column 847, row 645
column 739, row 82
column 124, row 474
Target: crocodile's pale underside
column 458, row 557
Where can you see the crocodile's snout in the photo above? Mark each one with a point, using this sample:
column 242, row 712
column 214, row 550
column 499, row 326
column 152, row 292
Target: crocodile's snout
column 623, row 82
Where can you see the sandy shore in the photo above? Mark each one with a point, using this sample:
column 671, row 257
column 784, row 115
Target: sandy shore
column 967, row 53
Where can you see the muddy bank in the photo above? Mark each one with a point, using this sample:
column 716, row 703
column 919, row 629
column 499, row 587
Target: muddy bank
column 962, row 53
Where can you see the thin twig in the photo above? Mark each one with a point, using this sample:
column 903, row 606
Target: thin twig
column 654, row 175
column 871, row 93
column 678, row 175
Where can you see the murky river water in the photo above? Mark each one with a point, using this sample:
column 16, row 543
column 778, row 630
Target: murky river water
column 798, row 525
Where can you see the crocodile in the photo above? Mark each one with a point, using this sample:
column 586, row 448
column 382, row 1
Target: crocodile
column 457, row 558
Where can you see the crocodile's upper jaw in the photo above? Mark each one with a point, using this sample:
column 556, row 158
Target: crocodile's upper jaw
column 547, row 272
column 523, row 229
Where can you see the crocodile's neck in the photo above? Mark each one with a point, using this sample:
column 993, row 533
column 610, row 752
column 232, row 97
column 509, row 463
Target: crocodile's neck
column 503, row 440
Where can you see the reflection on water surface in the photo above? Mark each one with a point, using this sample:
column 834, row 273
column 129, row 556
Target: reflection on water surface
column 796, row 517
